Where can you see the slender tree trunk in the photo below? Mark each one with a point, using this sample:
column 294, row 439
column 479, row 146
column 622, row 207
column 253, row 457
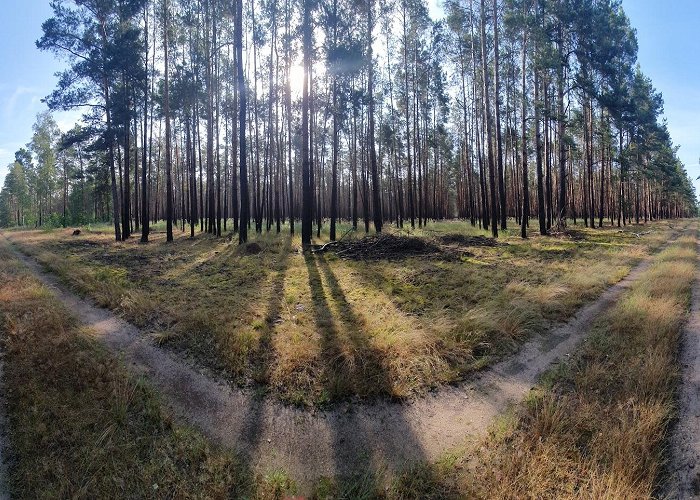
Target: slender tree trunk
column 166, row 110
column 525, row 216
column 145, row 229
column 538, row 148
column 561, row 213
column 334, row 153
column 290, row 164
column 245, row 204
column 411, row 207
column 489, row 127
column 110, row 160
column 192, row 170
column 307, row 195
column 588, row 140
column 376, row 188
column 499, row 139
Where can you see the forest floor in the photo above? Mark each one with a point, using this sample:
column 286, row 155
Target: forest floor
column 598, row 424
column 315, row 330
column 3, row 433
column 343, row 441
column 685, row 445
column 82, row 426
column 388, row 435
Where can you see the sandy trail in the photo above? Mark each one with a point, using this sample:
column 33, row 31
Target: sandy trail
column 684, row 471
column 353, row 438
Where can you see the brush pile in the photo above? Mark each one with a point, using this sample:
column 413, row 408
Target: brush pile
column 390, row 247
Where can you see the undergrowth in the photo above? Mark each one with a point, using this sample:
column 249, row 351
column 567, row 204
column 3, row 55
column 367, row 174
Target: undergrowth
column 318, row 329
column 595, row 426
column 81, row 427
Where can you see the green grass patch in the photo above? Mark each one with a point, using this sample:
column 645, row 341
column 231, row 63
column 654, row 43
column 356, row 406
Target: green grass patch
column 316, row 330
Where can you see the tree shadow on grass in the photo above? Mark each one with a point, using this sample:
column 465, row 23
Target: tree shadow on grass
column 373, row 438
column 352, row 366
column 264, row 356
column 424, row 290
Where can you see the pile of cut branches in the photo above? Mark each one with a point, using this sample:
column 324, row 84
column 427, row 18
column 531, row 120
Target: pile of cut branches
column 390, row 247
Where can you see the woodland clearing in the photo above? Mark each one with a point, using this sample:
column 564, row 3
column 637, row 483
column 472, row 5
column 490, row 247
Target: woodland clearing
column 444, row 470
column 315, row 329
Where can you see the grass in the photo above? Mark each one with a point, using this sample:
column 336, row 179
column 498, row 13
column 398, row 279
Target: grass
column 595, row 426
column 81, row 427
column 317, row 329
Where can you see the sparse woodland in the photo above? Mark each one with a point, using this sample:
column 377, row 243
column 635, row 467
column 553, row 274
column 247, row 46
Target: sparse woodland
column 341, row 249
column 235, row 116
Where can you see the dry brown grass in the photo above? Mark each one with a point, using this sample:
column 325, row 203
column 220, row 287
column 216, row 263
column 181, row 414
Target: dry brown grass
column 595, row 427
column 319, row 329
column 81, row 427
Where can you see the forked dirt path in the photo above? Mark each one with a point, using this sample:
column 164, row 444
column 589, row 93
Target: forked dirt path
column 351, row 439
column 684, row 480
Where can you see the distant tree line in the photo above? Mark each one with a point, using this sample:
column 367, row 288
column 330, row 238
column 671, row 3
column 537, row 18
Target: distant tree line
column 246, row 115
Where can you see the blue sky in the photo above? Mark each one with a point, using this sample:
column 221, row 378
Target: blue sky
column 26, row 76
column 669, row 52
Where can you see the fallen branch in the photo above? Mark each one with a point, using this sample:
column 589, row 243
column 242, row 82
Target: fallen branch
column 323, row 248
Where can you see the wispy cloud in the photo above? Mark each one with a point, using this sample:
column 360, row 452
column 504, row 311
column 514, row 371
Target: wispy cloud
column 19, row 92
column 66, row 120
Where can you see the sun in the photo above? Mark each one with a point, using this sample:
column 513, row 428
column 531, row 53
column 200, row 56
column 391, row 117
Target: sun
column 296, row 79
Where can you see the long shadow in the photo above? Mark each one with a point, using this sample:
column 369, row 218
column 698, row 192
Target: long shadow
column 351, row 366
column 203, row 276
column 367, row 364
column 252, row 430
column 428, row 293
column 265, row 357
column 371, row 437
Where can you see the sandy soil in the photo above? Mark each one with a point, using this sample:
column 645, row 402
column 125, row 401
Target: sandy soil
column 352, row 437
column 684, row 477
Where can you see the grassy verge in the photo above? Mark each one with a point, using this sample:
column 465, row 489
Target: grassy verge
column 81, row 427
column 595, row 426
column 320, row 329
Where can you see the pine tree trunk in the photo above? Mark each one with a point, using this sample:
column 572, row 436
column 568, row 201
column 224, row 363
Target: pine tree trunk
column 376, row 188
column 489, row 127
column 166, row 111
column 245, row 205
column 307, row 195
column 525, row 215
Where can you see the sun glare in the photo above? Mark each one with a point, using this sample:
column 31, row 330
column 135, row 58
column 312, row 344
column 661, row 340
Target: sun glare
column 296, row 79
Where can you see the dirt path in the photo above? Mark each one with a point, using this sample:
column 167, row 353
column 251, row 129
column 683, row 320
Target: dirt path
column 685, row 444
column 351, row 438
